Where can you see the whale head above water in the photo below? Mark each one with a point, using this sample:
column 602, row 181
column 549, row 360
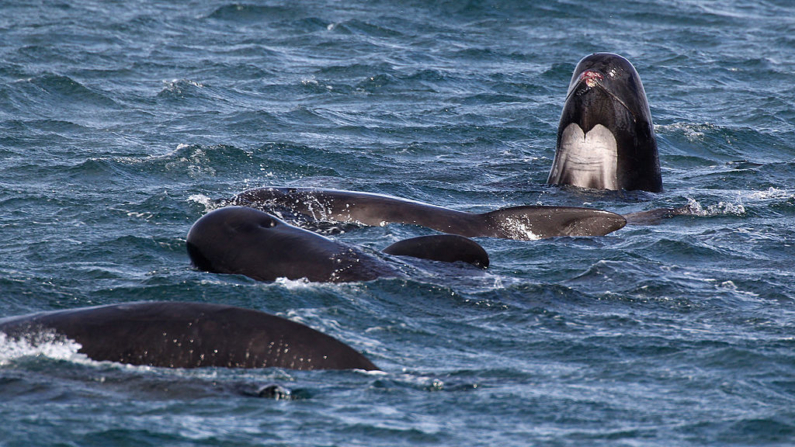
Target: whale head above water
column 605, row 136
column 246, row 241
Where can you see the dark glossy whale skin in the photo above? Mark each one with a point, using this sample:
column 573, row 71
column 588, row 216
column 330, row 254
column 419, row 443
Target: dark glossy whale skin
column 443, row 248
column 246, row 241
column 240, row 240
column 520, row 223
column 606, row 90
column 190, row 335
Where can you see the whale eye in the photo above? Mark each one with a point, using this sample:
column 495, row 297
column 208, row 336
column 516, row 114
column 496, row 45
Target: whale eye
column 267, row 223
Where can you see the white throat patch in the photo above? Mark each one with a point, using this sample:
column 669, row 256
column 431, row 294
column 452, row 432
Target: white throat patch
column 586, row 160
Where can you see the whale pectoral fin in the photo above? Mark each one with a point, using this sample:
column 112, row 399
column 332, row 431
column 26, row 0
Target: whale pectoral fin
column 655, row 216
column 442, row 247
column 539, row 222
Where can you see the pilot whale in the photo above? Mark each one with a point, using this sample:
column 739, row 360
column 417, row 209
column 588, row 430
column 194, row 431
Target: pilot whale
column 520, row 222
column 246, row 241
column 605, row 137
column 188, row 335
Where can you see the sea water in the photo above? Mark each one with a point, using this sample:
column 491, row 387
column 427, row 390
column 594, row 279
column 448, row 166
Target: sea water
column 121, row 123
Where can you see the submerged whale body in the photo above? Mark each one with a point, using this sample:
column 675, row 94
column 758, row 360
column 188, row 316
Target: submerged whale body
column 605, row 137
column 520, row 222
column 189, row 335
column 246, row 241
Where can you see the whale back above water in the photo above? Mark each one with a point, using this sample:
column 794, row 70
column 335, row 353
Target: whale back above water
column 189, row 335
column 443, row 248
column 308, row 205
column 247, row 241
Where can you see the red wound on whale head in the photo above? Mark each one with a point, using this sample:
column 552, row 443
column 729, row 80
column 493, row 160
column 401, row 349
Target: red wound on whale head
column 591, row 78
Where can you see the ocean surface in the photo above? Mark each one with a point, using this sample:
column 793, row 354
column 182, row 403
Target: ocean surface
column 121, row 123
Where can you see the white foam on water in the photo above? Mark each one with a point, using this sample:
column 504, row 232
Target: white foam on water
column 178, row 85
column 770, row 194
column 46, row 344
column 693, row 132
column 294, row 284
column 720, row 209
column 203, row 200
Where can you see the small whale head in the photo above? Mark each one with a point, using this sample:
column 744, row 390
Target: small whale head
column 606, row 137
column 246, row 241
column 614, row 76
column 241, row 240
column 211, row 240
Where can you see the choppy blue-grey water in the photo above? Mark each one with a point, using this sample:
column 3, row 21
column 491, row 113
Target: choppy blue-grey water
column 121, row 122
